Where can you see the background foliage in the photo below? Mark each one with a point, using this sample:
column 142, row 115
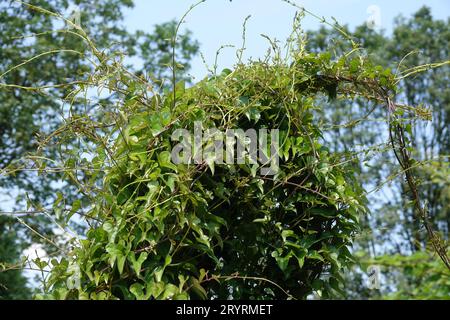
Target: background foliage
column 25, row 33
column 393, row 230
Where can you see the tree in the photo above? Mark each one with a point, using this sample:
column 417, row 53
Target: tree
column 12, row 282
column 31, row 36
column 393, row 228
column 430, row 89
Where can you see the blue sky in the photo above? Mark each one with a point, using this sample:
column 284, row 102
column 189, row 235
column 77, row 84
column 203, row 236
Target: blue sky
column 219, row 22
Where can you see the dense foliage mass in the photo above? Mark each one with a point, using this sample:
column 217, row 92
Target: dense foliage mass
column 221, row 230
column 136, row 225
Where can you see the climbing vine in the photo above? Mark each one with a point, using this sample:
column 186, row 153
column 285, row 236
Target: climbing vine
column 161, row 230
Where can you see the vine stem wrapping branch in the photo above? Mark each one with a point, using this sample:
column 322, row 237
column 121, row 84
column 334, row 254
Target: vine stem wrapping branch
column 397, row 134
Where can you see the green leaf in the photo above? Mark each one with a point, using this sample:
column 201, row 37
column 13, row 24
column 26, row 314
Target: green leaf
column 323, row 212
column 166, row 116
column 334, row 283
column 138, row 290
column 198, row 289
column 76, row 205
column 137, row 264
column 121, row 262
column 282, row 261
column 287, row 233
column 160, row 270
column 253, row 114
column 156, row 289
column 170, row 291
column 164, row 160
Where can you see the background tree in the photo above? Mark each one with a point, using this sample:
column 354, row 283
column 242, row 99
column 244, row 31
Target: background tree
column 26, row 32
column 393, row 228
column 12, row 282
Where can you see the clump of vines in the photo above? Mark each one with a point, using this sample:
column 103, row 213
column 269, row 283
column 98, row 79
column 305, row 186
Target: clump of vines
column 203, row 230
